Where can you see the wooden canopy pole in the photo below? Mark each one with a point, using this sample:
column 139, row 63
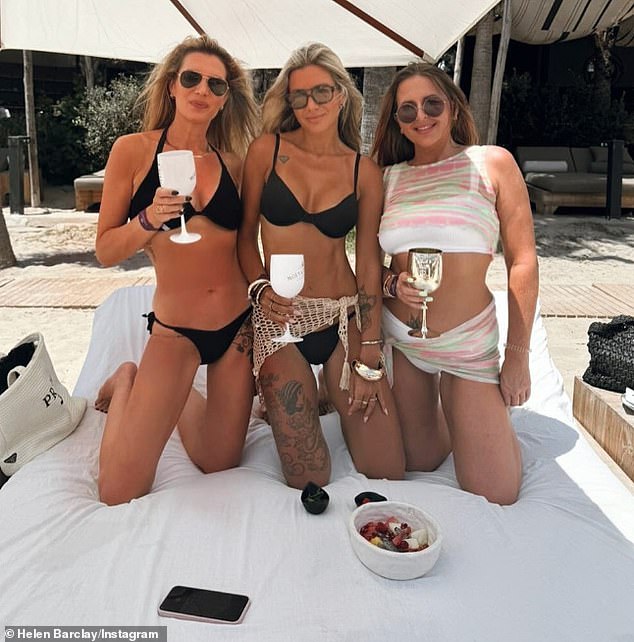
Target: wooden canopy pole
column 379, row 26
column 500, row 64
column 188, row 16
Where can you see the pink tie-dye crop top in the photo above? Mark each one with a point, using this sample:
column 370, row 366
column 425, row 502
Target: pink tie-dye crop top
column 449, row 205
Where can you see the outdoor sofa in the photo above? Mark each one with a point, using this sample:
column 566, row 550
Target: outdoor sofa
column 557, row 566
column 571, row 176
column 88, row 189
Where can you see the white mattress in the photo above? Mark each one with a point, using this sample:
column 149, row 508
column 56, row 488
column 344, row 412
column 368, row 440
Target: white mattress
column 558, row 565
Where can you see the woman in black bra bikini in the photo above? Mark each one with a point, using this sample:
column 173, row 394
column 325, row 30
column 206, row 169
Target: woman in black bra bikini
column 200, row 99
column 305, row 187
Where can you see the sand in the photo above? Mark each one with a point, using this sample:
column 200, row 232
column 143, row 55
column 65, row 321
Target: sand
column 574, row 247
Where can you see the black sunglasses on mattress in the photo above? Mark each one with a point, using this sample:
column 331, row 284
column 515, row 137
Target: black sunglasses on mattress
column 432, row 106
column 217, row 86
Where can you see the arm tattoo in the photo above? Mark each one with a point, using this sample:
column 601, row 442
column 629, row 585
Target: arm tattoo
column 366, row 305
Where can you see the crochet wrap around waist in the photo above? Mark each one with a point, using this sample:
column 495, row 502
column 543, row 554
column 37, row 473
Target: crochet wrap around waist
column 316, row 314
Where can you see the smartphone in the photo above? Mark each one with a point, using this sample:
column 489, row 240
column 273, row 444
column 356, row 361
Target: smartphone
column 201, row 605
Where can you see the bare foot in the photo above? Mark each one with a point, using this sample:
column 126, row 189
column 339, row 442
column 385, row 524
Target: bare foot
column 123, row 376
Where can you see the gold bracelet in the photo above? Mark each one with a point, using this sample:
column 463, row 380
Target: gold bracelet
column 367, row 373
column 372, row 342
column 516, row 348
column 388, row 292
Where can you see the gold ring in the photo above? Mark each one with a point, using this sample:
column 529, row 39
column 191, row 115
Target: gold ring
column 271, row 306
column 159, row 209
column 364, row 403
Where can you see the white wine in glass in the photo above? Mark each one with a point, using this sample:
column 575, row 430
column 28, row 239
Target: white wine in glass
column 177, row 171
column 424, row 265
column 287, row 280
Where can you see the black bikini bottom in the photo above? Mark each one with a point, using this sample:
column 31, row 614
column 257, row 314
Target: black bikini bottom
column 317, row 347
column 211, row 344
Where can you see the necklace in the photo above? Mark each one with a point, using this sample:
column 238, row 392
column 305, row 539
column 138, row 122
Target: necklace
column 196, row 154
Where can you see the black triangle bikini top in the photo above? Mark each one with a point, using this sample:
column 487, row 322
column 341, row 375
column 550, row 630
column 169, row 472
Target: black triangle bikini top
column 279, row 205
column 224, row 207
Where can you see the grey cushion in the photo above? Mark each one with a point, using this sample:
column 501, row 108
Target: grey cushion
column 600, row 154
column 544, row 166
column 601, row 167
column 541, row 153
column 575, row 183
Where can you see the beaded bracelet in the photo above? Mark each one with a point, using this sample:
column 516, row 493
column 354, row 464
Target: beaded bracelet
column 260, row 292
column 256, row 288
column 516, row 348
column 145, row 222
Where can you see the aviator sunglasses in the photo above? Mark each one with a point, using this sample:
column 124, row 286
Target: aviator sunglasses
column 432, row 106
column 321, row 94
column 217, row 86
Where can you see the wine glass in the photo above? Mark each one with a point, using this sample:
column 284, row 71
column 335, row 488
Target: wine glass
column 177, row 170
column 287, row 280
column 425, row 267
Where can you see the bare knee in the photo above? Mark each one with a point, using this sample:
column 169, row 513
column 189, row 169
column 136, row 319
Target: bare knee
column 502, row 496
column 382, row 470
column 321, row 478
column 113, row 492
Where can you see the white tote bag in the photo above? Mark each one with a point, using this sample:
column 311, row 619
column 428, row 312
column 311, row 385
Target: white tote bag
column 36, row 410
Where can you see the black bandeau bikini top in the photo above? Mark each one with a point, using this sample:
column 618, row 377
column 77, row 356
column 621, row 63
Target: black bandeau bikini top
column 279, row 205
column 224, row 207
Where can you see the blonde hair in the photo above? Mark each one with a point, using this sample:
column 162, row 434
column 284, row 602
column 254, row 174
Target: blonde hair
column 234, row 127
column 277, row 115
column 390, row 146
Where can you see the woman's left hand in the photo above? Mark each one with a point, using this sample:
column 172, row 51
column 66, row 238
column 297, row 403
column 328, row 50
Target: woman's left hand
column 365, row 395
column 515, row 379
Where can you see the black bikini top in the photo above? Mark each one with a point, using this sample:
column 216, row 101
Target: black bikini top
column 224, row 207
column 279, row 205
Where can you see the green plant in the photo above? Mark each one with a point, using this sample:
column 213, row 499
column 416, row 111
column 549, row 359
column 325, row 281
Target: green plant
column 107, row 113
column 61, row 154
column 575, row 115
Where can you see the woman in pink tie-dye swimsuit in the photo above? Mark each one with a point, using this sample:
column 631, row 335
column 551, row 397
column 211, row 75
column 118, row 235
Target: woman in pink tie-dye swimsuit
column 443, row 191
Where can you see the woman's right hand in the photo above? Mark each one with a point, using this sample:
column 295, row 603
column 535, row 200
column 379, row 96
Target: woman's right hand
column 277, row 308
column 407, row 293
column 166, row 205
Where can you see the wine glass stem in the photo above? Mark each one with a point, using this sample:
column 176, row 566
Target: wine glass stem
column 423, row 324
column 183, row 227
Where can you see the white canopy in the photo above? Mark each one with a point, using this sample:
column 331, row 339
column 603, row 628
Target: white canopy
column 546, row 21
column 261, row 33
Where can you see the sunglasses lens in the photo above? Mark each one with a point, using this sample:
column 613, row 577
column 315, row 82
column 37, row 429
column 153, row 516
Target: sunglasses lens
column 407, row 113
column 218, row 86
column 297, row 99
column 322, row 94
column 433, row 107
column 190, row 79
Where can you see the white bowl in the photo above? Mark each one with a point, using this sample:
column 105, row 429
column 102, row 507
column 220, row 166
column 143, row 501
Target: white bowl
column 391, row 564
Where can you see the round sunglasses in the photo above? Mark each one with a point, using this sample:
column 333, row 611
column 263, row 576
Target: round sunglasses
column 321, row 94
column 217, row 86
column 432, row 106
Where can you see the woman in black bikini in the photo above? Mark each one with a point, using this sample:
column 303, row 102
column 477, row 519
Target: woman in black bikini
column 200, row 99
column 305, row 187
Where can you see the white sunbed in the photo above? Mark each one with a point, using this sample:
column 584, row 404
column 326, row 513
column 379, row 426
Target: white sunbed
column 556, row 566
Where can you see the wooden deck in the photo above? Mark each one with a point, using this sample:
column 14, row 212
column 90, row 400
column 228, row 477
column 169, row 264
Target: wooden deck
column 25, row 292
column 598, row 300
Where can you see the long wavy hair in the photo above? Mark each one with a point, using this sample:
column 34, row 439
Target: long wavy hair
column 234, row 127
column 390, row 146
column 277, row 115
